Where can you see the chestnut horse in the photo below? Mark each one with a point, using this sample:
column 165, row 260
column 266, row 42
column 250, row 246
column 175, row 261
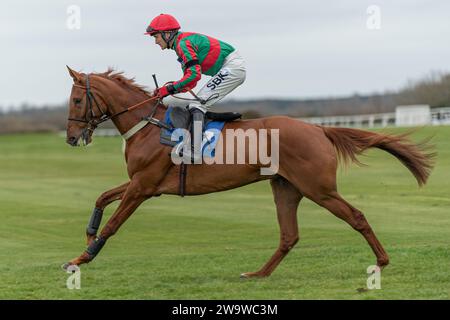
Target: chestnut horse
column 308, row 160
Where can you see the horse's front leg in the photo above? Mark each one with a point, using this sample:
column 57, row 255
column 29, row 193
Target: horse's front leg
column 134, row 195
column 104, row 200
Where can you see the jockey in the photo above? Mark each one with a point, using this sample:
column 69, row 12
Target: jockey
column 198, row 54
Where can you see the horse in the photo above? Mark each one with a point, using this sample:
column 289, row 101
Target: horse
column 308, row 160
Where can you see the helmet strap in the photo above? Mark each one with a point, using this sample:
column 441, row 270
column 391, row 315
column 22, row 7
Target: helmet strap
column 170, row 38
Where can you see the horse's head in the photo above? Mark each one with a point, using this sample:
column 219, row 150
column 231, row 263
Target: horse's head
column 98, row 97
column 85, row 113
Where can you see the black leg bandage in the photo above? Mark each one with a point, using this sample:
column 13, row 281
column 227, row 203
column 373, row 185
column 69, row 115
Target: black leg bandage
column 94, row 223
column 95, row 247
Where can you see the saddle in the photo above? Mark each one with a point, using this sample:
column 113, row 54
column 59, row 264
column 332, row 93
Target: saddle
column 178, row 117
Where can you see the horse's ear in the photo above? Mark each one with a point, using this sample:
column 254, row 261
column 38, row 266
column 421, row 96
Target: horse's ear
column 75, row 75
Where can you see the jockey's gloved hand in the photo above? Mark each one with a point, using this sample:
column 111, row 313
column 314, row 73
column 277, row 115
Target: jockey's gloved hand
column 164, row 91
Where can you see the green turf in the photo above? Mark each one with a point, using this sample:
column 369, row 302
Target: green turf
column 196, row 247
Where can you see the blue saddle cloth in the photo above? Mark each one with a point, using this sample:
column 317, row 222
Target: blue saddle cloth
column 179, row 121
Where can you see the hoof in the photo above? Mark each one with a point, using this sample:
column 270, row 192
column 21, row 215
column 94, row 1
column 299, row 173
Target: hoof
column 248, row 275
column 382, row 263
column 381, row 266
column 66, row 265
column 70, row 267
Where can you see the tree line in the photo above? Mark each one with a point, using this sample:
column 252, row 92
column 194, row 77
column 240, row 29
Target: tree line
column 433, row 90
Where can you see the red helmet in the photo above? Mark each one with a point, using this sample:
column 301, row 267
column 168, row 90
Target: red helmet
column 163, row 22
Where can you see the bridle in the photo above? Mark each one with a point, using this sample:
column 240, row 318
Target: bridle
column 94, row 121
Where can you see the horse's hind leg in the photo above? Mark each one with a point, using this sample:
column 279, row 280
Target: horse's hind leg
column 343, row 210
column 104, row 200
column 287, row 198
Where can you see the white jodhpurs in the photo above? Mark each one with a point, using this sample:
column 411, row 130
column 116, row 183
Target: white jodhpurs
column 226, row 80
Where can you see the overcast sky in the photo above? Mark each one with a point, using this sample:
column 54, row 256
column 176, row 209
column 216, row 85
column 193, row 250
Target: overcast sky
column 293, row 49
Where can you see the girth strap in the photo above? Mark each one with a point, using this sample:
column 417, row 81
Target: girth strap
column 183, row 170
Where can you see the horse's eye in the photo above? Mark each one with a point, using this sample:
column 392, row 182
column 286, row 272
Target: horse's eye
column 76, row 100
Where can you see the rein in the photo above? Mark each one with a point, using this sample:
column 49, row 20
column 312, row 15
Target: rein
column 196, row 98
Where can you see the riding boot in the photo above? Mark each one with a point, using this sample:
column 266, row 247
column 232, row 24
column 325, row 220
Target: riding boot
column 198, row 121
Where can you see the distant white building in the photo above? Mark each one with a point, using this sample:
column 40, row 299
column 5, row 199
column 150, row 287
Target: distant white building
column 413, row 115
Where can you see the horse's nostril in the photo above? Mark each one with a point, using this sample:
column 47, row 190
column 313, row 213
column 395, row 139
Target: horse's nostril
column 71, row 140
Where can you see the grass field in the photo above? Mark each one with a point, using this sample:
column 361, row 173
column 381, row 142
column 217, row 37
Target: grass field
column 196, row 247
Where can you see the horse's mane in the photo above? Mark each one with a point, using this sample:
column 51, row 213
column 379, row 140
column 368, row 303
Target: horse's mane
column 118, row 77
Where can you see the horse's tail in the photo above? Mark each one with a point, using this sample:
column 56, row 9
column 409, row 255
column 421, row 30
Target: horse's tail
column 416, row 157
